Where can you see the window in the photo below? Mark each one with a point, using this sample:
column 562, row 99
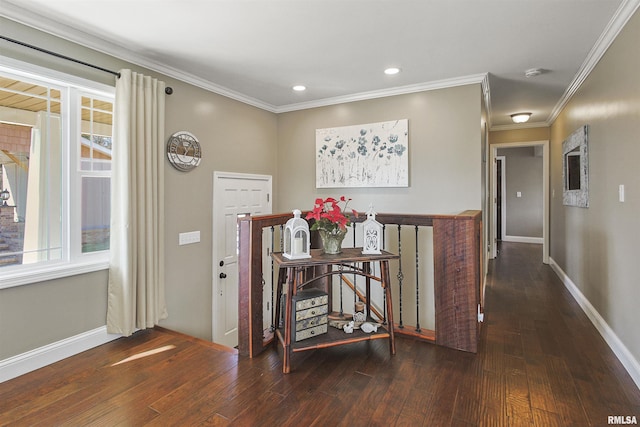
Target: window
column 55, row 164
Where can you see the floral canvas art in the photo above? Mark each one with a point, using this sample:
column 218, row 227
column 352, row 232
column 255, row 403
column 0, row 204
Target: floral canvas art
column 370, row 155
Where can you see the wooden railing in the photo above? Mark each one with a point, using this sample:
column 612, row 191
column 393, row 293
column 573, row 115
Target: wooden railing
column 457, row 277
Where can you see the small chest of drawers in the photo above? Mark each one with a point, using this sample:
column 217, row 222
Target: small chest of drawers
column 309, row 314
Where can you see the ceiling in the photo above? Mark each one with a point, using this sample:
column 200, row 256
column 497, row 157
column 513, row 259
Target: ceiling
column 256, row 50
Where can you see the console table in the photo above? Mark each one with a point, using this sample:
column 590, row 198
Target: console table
column 298, row 273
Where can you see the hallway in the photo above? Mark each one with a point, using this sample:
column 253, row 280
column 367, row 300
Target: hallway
column 557, row 368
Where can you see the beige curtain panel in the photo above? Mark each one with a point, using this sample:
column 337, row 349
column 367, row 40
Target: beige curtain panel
column 136, row 275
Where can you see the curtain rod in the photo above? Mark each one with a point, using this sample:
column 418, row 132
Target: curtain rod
column 168, row 90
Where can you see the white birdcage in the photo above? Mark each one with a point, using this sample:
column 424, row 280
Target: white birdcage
column 296, row 240
column 372, row 234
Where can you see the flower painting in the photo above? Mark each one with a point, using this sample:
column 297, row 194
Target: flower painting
column 371, row 155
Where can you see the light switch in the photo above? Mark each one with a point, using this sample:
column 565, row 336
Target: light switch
column 519, row 194
column 188, row 238
column 621, row 192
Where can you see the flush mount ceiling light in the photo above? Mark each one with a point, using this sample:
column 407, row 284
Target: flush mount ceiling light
column 533, row 72
column 391, row 71
column 520, row 117
column 299, row 88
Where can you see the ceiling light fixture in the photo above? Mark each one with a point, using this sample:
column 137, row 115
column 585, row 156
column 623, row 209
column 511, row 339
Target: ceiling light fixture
column 532, row 72
column 299, row 88
column 520, row 117
column 391, row 71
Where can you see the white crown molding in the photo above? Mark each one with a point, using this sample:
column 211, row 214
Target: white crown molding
column 400, row 90
column 16, row 13
column 515, row 126
column 619, row 20
column 486, row 96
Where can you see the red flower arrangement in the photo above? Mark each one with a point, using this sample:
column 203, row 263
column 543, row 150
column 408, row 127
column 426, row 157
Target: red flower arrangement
column 329, row 216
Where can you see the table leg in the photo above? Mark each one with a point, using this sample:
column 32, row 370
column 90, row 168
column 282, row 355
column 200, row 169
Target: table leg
column 386, row 283
column 291, row 286
column 282, row 276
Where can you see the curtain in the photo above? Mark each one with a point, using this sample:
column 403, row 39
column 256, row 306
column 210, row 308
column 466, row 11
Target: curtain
column 136, row 297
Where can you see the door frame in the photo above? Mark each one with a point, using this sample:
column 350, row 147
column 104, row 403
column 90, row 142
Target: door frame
column 545, row 193
column 215, row 268
column 503, row 201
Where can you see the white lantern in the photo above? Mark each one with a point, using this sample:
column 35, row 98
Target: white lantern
column 372, row 234
column 297, row 241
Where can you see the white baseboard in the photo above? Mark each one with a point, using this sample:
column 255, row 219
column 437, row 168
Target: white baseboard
column 523, row 239
column 621, row 351
column 35, row 359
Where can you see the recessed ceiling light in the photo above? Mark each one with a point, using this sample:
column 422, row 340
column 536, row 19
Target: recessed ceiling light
column 392, row 70
column 299, row 88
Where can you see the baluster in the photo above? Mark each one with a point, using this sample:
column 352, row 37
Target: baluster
column 400, row 275
column 273, row 271
column 353, row 228
column 417, row 287
column 355, row 283
column 341, row 308
column 384, row 294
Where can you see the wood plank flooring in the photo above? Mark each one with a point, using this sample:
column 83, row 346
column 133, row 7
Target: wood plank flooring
column 540, row 363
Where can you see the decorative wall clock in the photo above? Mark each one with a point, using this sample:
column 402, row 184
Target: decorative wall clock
column 183, row 151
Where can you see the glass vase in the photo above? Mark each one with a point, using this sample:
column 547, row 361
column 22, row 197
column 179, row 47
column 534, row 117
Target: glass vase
column 332, row 241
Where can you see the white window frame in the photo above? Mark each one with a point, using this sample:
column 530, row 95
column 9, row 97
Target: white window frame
column 73, row 261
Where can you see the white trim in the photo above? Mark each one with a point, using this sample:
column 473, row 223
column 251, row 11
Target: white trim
column 50, row 271
column 503, row 192
column 617, row 346
column 523, row 239
column 545, row 189
column 515, row 126
column 400, row 90
column 40, row 357
column 617, row 23
column 16, row 13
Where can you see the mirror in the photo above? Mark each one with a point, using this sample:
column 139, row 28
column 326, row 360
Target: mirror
column 575, row 169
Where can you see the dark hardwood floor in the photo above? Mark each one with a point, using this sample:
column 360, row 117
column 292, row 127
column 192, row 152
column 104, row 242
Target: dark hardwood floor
column 540, row 363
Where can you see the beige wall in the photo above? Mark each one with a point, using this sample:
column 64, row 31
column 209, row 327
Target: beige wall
column 444, row 152
column 523, row 174
column 598, row 247
column 234, row 136
column 445, row 174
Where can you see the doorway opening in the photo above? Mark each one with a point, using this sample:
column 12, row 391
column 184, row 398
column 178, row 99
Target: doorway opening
column 498, row 213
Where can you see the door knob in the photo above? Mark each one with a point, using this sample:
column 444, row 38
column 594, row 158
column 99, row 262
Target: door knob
column 223, row 275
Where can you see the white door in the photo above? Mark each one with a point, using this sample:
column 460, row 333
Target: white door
column 234, row 195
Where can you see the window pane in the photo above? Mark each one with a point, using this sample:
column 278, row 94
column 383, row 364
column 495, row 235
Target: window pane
column 95, row 138
column 96, row 213
column 30, row 173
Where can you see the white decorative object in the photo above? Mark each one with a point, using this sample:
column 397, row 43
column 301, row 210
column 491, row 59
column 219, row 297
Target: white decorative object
column 369, row 155
column 359, row 316
column 348, row 328
column 297, row 242
column 372, row 233
column 369, row 327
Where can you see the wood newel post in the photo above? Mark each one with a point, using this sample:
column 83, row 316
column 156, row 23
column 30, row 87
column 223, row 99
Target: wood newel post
column 250, row 331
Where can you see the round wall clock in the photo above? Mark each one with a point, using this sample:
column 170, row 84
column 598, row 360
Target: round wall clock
column 183, row 151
